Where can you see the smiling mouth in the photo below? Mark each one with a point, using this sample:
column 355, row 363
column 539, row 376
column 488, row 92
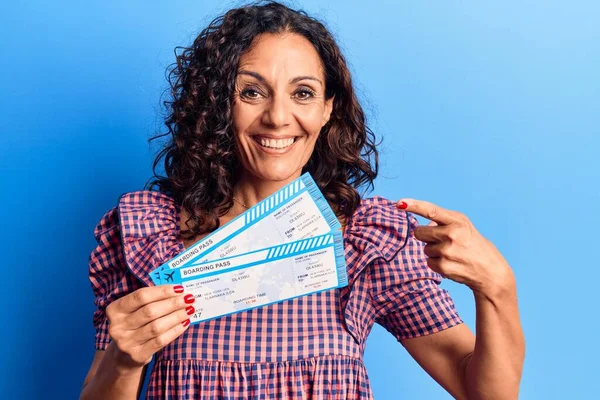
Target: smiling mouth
column 271, row 143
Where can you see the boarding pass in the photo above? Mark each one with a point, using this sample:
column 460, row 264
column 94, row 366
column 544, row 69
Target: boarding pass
column 262, row 277
column 295, row 212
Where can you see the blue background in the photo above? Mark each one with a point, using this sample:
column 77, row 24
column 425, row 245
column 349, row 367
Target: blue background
column 489, row 109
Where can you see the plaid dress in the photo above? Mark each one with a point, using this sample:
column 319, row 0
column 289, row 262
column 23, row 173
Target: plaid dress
column 310, row 347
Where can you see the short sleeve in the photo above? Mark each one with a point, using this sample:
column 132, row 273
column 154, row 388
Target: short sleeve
column 406, row 293
column 108, row 273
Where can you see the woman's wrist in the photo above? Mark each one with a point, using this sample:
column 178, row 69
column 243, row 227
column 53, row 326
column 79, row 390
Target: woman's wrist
column 499, row 290
column 119, row 364
column 113, row 380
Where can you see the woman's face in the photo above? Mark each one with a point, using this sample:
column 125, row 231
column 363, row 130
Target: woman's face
column 279, row 106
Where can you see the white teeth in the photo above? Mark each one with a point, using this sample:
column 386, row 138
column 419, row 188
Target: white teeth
column 276, row 143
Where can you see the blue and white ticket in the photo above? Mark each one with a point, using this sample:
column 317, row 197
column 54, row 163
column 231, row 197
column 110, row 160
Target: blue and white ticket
column 262, row 277
column 295, row 212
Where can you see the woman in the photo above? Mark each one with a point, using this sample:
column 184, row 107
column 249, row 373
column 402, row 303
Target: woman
column 262, row 96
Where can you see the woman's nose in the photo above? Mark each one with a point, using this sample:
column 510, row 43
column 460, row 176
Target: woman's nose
column 277, row 112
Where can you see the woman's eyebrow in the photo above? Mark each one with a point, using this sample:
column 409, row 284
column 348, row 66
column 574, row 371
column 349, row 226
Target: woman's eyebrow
column 293, row 80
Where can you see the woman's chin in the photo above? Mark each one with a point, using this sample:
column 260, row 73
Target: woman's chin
column 274, row 173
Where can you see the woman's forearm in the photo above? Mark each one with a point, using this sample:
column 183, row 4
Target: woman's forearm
column 494, row 370
column 112, row 382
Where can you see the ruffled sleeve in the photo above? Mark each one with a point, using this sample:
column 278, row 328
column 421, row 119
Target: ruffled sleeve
column 133, row 238
column 108, row 273
column 149, row 224
column 391, row 283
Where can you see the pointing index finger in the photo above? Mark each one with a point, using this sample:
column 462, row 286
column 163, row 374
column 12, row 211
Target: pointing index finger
column 428, row 210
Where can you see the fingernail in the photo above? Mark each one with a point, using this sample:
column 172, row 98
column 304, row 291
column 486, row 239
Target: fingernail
column 178, row 289
column 186, row 323
column 189, row 298
column 190, row 310
column 403, row 205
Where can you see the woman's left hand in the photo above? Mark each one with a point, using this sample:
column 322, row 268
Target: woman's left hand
column 456, row 250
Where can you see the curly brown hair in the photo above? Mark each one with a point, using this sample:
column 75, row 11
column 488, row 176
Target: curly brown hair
column 200, row 161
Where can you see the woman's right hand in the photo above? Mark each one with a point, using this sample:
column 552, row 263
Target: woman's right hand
column 145, row 321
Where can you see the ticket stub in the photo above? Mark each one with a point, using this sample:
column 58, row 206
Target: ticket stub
column 263, row 277
column 295, row 212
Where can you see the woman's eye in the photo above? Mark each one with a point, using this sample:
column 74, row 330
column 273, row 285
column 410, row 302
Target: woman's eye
column 250, row 93
column 304, row 94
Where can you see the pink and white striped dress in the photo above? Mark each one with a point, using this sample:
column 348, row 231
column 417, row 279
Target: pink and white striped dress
column 309, row 347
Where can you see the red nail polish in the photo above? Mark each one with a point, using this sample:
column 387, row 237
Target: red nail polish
column 186, row 323
column 403, row 205
column 189, row 298
column 190, row 310
column 178, row 289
